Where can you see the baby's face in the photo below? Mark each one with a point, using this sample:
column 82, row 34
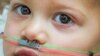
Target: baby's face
column 67, row 23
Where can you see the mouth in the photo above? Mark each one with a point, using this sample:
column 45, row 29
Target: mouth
column 24, row 51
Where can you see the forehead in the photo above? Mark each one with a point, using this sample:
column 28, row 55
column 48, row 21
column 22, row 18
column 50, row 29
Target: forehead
column 49, row 2
column 85, row 2
column 46, row 1
column 91, row 4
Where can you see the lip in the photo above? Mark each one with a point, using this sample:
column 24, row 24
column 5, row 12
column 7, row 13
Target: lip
column 25, row 52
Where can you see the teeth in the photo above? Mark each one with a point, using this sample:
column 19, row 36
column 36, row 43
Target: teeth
column 29, row 44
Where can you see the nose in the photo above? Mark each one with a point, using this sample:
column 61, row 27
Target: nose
column 35, row 31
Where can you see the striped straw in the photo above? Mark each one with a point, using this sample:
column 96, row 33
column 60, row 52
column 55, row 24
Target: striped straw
column 48, row 48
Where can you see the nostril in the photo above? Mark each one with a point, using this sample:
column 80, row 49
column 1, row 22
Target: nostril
column 25, row 38
column 29, row 35
column 38, row 36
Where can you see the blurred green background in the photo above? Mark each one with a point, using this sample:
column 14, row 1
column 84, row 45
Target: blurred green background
column 4, row 6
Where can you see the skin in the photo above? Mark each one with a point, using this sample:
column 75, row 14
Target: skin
column 83, row 32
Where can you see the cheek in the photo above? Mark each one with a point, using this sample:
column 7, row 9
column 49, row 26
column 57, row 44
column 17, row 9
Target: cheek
column 12, row 27
column 82, row 38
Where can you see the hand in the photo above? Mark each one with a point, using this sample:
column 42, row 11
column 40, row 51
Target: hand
column 2, row 35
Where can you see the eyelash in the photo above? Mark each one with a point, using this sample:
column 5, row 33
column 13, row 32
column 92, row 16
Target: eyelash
column 72, row 19
column 16, row 6
column 68, row 17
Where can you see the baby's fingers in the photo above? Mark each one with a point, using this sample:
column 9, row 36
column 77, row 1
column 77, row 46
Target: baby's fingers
column 2, row 36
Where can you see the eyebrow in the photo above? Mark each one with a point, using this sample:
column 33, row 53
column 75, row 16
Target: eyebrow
column 93, row 4
column 26, row 1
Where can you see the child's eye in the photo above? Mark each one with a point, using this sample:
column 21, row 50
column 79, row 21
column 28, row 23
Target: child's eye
column 23, row 10
column 62, row 18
